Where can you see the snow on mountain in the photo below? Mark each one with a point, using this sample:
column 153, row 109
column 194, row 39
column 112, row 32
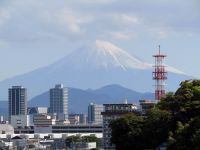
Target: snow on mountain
column 103, row 53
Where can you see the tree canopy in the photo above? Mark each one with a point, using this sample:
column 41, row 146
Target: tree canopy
column 175, row 119
column 89, row 138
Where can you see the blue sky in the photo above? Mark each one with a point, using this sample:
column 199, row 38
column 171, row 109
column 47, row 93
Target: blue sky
column 36, row 33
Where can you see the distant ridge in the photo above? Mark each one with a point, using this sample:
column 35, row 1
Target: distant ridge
column 107, row 94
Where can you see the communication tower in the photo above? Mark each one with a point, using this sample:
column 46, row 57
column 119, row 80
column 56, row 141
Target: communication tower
column 159, row 75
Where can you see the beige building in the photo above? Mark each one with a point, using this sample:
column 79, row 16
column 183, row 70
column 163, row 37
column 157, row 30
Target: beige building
column 74, row 119
column 43, row 123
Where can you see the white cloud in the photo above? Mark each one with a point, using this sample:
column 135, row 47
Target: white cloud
column 131, row 19
column 4, row 43
column 160, row 32
column 4, row 14
column 67, row 20
column 120, row 35
column 97, row 1
column 125, row 18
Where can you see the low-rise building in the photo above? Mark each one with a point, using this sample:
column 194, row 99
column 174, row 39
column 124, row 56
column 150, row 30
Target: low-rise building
column 20, row 120
column 82, row 145
column 146, row 105
column 24, row 130
column 81, row 128
column 6, row 129
column 43, row 123
column 77, row 118
column 62, row 122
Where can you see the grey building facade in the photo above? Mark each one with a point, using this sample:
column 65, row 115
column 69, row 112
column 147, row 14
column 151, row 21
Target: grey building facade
column 94, row 114
column 17, row 101
column 59, row 102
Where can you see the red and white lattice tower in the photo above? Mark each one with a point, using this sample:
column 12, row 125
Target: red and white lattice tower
column 159, row 75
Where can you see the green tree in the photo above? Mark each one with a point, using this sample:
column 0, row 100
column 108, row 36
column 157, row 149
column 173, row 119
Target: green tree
column 71, row 139
column 91, row 138
column 176, row 118
column 187, row 136
column 127, row 132
column 185, row 108
column 156, row 129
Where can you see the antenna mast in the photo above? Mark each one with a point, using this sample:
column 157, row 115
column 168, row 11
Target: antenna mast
column 159, row 75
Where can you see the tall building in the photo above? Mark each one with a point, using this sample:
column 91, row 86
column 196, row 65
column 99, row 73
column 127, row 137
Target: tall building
column 94, row 114
column 17, row 96
column 59, row 102
column 113, row 111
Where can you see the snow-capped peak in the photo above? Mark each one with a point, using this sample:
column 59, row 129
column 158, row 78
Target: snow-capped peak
column 104, row 54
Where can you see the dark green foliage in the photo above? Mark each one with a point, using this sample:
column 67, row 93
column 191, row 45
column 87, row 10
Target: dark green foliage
column 175, row 119
column 156, row 129
column 187, row 137
column 134, row 132
column 71, row 139
column 91, row 138
column 126, row 131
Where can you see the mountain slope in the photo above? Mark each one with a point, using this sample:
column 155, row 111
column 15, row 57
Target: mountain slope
column 93, row 66
column 104, row 95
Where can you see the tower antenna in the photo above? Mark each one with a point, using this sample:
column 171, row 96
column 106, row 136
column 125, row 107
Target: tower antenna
column 159, row 75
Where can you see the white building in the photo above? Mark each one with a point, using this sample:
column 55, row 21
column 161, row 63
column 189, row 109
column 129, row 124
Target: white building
column 113, row 111
column 6, row 129
column 82, row 145
column 20, row 121
column 1, row 118
column 94, row 114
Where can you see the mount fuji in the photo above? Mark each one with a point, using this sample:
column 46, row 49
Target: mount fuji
column 98, row 64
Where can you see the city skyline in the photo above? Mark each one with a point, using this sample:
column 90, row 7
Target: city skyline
column 90, row 74
column 34, row 34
